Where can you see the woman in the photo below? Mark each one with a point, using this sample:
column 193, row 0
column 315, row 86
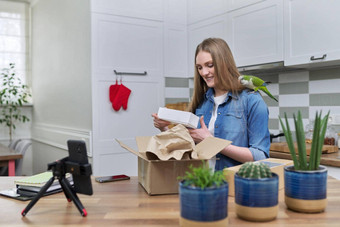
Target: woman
column 226, row 109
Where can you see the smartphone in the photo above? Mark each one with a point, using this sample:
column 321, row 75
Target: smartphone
column 78, row 154
column 112, row 178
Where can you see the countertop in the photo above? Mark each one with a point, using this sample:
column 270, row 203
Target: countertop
column 125, row 203
column 331, row 159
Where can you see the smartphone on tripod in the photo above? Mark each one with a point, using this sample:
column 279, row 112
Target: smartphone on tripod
column 78, row 154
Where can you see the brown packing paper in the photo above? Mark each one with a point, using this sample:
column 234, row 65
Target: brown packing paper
column 174, row 143
column 160, row 177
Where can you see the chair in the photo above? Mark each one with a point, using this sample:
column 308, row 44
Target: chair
column 22, row 146
column 14, row 143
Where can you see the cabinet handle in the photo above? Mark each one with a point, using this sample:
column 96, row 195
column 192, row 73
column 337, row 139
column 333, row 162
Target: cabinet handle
column 128, row 73
column 320, row 58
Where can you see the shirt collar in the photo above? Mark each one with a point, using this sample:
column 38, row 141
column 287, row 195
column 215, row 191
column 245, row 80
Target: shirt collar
column 210, row 95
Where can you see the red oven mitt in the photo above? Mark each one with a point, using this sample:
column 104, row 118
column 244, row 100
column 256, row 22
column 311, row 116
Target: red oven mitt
column 113, row 91
column 121, row 99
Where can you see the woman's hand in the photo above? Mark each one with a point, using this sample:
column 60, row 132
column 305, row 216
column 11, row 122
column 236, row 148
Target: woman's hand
column 160, row 124
column 200, row 134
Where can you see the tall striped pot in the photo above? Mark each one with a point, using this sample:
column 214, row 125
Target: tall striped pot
column 306, row 191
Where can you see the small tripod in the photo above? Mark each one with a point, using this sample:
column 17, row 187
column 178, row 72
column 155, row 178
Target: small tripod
column 59, row 169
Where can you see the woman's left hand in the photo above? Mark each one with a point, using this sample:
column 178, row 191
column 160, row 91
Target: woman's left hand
column 200, row 134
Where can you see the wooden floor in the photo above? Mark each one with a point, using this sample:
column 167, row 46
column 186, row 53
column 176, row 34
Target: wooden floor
column 125, row 203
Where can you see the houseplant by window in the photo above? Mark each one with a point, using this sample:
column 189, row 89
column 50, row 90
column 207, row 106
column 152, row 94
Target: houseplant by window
column 203, row 197
column 13, row 94
column 256, row 192
column 306, row 181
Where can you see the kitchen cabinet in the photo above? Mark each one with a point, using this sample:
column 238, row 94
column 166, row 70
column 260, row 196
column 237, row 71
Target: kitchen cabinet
column 175, row 39
column 237, row 4
column 175, row 50
column 199, row 10
column 130, row 45
column 146, row 9
column 175, row 12
column 197, row 32
column 255, row 33
column 311, row 32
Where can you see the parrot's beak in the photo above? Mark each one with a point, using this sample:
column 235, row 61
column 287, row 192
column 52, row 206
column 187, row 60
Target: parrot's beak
column 242, row 81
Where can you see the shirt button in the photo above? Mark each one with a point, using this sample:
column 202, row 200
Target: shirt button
column 219, row 113
column 216, row 126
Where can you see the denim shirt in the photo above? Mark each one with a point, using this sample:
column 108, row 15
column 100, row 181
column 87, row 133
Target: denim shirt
column 242, row 119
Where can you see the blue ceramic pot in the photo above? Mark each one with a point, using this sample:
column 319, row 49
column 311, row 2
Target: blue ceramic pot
column 204, row 207
column 306, row 191
column 256, row 199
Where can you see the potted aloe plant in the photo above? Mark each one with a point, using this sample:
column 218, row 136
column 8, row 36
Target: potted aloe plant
column 306, row 181
column 203, row 197
column 256, row 192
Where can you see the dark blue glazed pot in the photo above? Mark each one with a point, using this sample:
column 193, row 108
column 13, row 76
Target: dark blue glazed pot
column 306, row 191
column 256, row 199
column 203, row 207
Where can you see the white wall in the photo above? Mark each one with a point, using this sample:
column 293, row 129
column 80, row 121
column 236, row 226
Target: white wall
column 61, row 77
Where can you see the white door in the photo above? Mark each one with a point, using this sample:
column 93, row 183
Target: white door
column 132, row 46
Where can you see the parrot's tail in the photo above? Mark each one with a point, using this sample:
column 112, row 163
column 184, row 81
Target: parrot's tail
column 265, row 90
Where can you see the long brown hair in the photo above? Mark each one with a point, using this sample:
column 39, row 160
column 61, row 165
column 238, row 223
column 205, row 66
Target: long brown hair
column 226, row 72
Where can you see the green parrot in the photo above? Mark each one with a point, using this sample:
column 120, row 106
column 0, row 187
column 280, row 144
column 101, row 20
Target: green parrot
column 255, row 83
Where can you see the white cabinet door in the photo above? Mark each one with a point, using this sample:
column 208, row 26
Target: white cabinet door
column 125, row 45
column 147, row 9
column 175, row 39
column 312, row 31
column 175, row 12
column 213, row 27
column 199, row 10
column 256, row 33
column 236, row 4
column 175, row 51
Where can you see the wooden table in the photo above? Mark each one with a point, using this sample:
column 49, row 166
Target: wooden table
column 331, row 159
column 8, row 157
column 125, row 203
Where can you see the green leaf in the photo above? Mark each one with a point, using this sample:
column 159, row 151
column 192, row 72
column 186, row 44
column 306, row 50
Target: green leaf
column 202, row 177
column 12, row 96
column 315, row 141
column 301, row 141
column 321, row 139
column 288, row 135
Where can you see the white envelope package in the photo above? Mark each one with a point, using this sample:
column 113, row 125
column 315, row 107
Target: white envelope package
column 185, row 118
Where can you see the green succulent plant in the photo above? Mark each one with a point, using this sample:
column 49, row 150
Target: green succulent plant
column 254, row 170
column 202, row 177
column 319, row 131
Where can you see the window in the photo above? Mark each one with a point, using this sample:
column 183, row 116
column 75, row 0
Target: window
column 14, row 36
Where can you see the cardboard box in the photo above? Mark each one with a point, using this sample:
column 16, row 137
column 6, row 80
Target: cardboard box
column 185, row 118
column 160, row 177
column 276, row 166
